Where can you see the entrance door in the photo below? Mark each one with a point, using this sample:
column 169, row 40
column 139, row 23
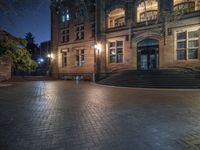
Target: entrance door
column 148, row 55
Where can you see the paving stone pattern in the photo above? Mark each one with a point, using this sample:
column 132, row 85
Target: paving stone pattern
column 60, row 115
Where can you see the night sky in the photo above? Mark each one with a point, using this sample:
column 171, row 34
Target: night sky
column 34, row 18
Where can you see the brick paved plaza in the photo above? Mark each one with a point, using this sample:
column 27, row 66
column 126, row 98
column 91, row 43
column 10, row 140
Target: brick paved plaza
column 60, row 115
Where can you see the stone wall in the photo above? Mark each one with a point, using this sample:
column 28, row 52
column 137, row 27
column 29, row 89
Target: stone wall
column 5, row 69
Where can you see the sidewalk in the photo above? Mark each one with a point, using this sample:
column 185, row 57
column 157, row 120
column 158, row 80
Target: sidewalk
column 61, row 115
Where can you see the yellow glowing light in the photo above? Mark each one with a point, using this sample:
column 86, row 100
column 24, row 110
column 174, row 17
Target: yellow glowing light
column 98, row 47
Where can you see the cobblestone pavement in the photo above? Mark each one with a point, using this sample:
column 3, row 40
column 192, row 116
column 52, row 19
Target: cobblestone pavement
column 60, row 115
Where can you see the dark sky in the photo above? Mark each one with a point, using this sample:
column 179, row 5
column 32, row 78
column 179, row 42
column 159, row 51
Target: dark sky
column 34, row 17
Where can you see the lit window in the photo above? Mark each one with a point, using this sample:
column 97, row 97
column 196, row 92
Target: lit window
column 147, row 10
column 65, row 16
column 65, row 35
column 112, row 55
column 79, row 32
column 116, row 18
column 186, row 6
column 187, row 45
column 80, row 57
column 116, row 52
column 150, row 15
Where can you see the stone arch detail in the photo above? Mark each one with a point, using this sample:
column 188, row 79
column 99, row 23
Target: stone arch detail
column 109, row 10
column 142, row 36
column 139, row 37
column 112, row 10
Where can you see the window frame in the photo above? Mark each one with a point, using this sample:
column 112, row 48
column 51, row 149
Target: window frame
column 79, row 57
column 187, row 47
column 64, row 59
column 145, row 11
column 65, row 16
column 80, row 12
column 113, row 20
column 64, row 35
column 116, row 54
column 80, row 32
column 184, row 11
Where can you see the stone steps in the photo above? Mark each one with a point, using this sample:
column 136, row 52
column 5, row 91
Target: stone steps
column 154, row 79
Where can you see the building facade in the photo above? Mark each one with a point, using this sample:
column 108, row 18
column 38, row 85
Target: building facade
column 103, row 36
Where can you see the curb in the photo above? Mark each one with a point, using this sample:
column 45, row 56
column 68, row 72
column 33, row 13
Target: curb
column 148, row 89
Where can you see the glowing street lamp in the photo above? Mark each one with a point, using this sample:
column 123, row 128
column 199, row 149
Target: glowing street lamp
column 98, row 48
column 50, row 55
column 40, row 60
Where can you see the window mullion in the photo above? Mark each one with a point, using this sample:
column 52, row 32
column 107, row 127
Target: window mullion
column 116, row 52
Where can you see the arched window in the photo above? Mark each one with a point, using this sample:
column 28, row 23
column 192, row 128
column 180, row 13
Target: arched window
column 147, row 10
column 186, row 6
column 116, row 18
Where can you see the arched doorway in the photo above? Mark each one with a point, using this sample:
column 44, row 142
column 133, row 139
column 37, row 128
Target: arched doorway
column 148, row 54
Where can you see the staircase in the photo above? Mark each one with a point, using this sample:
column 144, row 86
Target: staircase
column 154, row 79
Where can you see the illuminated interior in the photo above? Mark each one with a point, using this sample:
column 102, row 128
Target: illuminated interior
column 147, row 10
column 186, row 6
column 116, row 18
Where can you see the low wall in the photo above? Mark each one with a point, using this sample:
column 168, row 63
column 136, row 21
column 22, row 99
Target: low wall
column 187, row 66
column 5, row 69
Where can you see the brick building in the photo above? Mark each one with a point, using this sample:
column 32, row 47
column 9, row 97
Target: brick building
column 102, row 36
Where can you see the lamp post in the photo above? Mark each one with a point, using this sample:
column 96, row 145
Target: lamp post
column 98, row 48
column 50, row 57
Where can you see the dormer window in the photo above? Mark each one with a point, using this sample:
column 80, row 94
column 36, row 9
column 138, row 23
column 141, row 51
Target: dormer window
column 65, row 16
column 147, row 10
column 116, row 18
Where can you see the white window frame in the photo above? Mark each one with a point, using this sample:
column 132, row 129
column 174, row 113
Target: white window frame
column 79, row 57
column 187, row 45
column 115, row 47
